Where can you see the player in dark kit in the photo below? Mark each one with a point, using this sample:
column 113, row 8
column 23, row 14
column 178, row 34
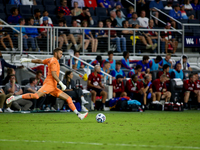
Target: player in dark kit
column 118, row 87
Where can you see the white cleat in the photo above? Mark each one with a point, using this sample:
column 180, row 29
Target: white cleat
column 82, row 116
column 84, row 102
column 8, row 110
column 10, row 99
column 84, row 109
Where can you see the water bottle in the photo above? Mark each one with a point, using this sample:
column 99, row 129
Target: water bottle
column 64, row 108
column 58, row 107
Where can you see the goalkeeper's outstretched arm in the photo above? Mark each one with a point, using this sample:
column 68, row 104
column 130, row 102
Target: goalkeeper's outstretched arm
column 37, row 61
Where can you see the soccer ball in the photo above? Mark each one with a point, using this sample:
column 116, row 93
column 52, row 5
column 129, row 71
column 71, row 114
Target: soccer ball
column 100, row 118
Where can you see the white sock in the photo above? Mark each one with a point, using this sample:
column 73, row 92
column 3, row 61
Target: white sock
column 75, row 45
column 82, row 98
column 76, row 112
column 18, row 97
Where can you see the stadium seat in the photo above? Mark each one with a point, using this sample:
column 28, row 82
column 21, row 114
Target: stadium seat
column 1, row 1
column 198, row 14
column 189, row 32
column 39, row 2
column 25, row 82
column 124, row 10
column 37, row 7
column 8, row 8
column 48, row 2
column 103, row 18
column 196, row 32
column 179, row 26
column 95, row 19
column 3, row 16
column 25, row 10
column 1, row 8
column 52, row 9
column 195, row 28
column 176, row 91
column 68, row 20
column 109, row 9
column 190, row 12
column 100, row 11
column 57, row 2
column 91, row 11
column 154, row 74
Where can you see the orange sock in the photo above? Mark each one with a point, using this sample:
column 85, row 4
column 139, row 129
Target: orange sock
column 30, row 96
column 71, row 104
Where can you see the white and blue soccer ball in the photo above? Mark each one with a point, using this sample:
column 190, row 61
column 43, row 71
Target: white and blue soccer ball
column 100, row 118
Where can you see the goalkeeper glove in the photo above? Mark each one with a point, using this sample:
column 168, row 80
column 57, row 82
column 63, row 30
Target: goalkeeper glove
column 25, row 60
column 63, row 87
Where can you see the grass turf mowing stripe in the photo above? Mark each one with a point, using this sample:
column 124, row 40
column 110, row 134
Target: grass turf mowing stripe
column 110, row 144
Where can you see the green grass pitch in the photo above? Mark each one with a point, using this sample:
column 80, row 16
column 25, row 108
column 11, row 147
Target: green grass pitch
column 121, row 131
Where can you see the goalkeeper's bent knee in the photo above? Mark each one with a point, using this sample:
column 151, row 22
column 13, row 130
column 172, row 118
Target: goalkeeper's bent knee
column 30, row 96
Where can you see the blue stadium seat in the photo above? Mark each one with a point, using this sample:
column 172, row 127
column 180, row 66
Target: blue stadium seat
column 91, row 11
column 195, row 28
column 37, row 7
column 198, row 14
column 39, row 2
column 68, row 20
column 100, row 11
column 178, row 26
column 48, row 2
column 3, row 16
column 57, row 2
column 125, row 11
column 52, row 9
column 8, row 8
column 95, row 19
column 25, row 10
column 109, row 9
column 1, row 8
column 103, row 18
column 190, row 12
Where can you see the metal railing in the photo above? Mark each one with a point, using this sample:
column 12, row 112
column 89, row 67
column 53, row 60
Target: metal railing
column 132, row 4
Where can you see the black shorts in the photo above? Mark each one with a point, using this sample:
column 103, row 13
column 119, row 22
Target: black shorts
column 98, row 91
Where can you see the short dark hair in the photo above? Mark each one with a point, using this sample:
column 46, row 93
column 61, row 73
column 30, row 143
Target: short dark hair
column 108, row 20
column 44, row 11
column 30, row 18
column 118, row 11
column 57, row 50
column 21, row 19
column 125, row 53
column 123, row 23
column 159, row 58
column 133, row 76
column 85, row 8
column 118, row 63
column 62, row 20
column 165, row 66
column 38, row 71
column 138, row 67
column 76, row 52
column 9, row 71
column 145, row 57
column 32, row 79
column 13, row 9
column 110, row 52
column 184, row 57
column 106, row 62
column 191, row 75
column 99, row 58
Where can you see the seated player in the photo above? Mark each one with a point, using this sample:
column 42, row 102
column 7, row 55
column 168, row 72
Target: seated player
column 135, row 88
column 76, row 64
column 125, row 61
column 153, row 63
column 39, row 78
column 160, row 89
column 137, row 71
column 184, row 63
column 3, row 98
column 191, row 89
column 165, row 71
column 118, row 71
column 110, row 60
column 145, row 64
column 50, row 83
column 118, row 87
column 105, row 69
column 97, row 61
column 177, row 73
column 96, row 87
column 167, row 61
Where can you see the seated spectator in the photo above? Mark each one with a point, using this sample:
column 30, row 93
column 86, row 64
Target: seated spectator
column 118, row 71
column 133, row 20
column 139, row 35
column 137, row 71
column 64, row 8
column 5, row 35
column 154, row 36
column 118, row 87
column 113, row 19
column 36, row 16
column 60, row 16
column 135, row 88
column 114, row 3
column 184, row 63
column 187, row 5
column 110, row 60
column 143, row 20
column 115, row 38
column 29, row 2
column 97, row 61
column 79, row 3
column 77, row 33
column 15, row 89
column 77, row 11
column 195, row 5
column 172, row 43
column 10, row 71
column 167, row 61
column 183, row 13
column 125, row 61
column 165, row 71
column 46, row 14
column 130, row 11
column 31, row 87
column 119, row 18
column 168, row 6
column 190, row 89
column 73, row 92
column 86, row 16
column 91, row 3
column 45, row 22
column 14, row 18
column 153, row 63
column 157, row 4
column 118, row 7
column 3, row 98
column 104, row 3
column 100, row 33
column 89, row 38
column 141, row 5
column 96, row 87
column 14, row 2
column 160, row 89
column 178, row 72
column 176, row 14
column 145, row 64
column 76, row 64
column 26, row 38
column 39, row 78
column 148, row 92
column 105, row 69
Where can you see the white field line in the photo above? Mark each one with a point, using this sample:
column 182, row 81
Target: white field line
column 88, row 143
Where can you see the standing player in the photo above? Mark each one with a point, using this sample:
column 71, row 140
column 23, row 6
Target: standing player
column 50, row 83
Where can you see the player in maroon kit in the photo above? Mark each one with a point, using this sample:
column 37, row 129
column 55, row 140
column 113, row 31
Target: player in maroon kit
column 95, row 86
column 191, row 89
column 135, row 88
column 160, row 89
column 118, row 87
column 165, row 71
